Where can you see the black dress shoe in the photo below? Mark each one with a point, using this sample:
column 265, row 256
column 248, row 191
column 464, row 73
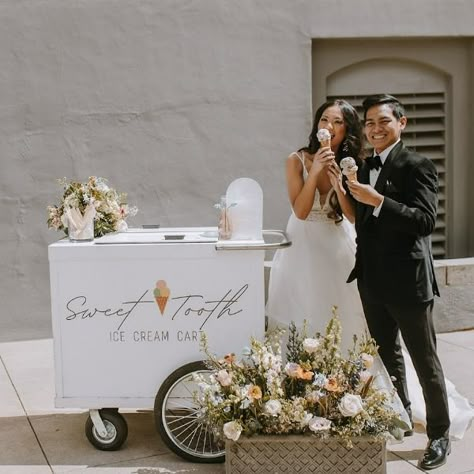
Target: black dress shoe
column 435, row 453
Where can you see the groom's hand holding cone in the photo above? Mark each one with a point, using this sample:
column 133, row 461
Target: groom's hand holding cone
column 365, row 193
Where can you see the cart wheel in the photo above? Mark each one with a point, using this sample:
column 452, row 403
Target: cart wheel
column 117, row 430
column 179, row 420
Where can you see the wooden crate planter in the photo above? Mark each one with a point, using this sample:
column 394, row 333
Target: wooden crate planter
column 298, row 454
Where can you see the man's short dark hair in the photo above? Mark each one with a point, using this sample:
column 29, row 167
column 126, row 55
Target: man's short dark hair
column 379, row 99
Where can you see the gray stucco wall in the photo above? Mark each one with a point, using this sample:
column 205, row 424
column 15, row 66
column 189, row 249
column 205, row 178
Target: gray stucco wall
column 170, row 100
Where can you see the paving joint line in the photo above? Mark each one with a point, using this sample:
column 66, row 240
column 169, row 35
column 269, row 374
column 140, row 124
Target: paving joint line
column 26, row 414
column 401, row 458
column 139, row 458
column 455, row 344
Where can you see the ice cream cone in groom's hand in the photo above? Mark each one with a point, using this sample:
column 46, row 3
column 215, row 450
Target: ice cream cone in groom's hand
column 349, row 168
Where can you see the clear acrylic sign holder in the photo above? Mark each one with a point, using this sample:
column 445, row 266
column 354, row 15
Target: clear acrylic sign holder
column 244, row 198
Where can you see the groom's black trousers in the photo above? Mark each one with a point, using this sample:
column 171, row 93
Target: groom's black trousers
column 415, row 323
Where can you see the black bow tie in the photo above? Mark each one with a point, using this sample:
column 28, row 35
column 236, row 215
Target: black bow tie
column 374, row 162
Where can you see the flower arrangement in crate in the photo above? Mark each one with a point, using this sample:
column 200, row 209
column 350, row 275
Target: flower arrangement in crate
column 93, row 199
column 316, row 391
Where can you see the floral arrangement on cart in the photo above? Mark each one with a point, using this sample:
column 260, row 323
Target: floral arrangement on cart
column 315, row 392
column 90, row 209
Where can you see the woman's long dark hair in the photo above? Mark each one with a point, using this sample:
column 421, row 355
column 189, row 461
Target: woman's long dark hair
column 352, row 145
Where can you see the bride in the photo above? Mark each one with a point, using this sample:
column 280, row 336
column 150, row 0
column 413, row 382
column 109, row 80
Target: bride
column 308, row 278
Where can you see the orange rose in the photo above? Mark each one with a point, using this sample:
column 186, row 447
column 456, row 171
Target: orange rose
column 331, row 385
column 255, row 392
column 306, row 375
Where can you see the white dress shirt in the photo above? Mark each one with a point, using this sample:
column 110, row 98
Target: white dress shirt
column 374, row 174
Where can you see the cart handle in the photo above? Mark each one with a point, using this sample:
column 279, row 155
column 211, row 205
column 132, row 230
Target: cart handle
column 245, row 245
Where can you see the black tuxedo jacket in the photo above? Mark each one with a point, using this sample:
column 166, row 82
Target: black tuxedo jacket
column 394, row 263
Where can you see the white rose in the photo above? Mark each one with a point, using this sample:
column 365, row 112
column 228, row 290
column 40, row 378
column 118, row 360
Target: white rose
column 232, row 430
column 122, row 226
column 307, row 417
column 272, row 407
column 319, row 424
column 350, row 405
column 292, row 369
column 310, row 345
column 367, row 359
column 224, row 378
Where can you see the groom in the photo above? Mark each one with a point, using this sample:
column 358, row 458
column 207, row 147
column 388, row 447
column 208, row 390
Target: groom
column 396, row 196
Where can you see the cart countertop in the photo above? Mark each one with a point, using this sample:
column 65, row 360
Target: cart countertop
column 151, row 236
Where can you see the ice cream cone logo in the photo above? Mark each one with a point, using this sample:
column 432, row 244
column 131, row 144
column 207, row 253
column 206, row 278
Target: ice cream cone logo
column 162, row 293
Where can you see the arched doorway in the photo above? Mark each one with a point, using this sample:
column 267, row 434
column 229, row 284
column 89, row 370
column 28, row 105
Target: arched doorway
column 431, row 78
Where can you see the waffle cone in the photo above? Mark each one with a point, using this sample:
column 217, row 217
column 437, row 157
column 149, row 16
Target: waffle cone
column 161, row 302
column 352, row 177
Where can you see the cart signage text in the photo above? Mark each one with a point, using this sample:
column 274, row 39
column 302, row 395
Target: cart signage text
column 195, row 306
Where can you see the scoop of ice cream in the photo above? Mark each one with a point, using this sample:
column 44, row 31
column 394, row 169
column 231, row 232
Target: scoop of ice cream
column 161, row 289
column 323, row 134
column 348, row 165
column 349, row 168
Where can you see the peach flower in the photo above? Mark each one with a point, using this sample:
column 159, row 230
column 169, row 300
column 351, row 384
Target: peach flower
column 331, row 385
column 254, row 392
column 306, row 375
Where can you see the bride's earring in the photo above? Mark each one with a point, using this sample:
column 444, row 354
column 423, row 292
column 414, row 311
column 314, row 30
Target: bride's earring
column 345, row 147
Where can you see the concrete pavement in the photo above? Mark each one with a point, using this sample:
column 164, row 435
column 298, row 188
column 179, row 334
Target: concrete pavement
column 35, row 437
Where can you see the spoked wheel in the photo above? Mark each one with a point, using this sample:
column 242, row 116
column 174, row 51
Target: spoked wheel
column 179, row 419
column 116, row 430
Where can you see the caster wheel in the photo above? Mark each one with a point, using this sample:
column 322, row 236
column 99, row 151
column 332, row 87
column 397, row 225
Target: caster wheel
column 117, row 431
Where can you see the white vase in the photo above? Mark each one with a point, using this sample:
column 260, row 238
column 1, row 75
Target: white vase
column 224, row 227
column 81, row 227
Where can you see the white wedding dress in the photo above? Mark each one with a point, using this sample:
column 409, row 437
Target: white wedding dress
column 309, row 278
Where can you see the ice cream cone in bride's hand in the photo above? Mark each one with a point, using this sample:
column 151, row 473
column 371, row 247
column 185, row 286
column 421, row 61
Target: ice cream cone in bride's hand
column 324, row 137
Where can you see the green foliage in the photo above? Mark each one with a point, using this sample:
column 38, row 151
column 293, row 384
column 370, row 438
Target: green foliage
column 317, row 390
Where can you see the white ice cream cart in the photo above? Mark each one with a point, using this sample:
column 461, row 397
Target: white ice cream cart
column 128, row 311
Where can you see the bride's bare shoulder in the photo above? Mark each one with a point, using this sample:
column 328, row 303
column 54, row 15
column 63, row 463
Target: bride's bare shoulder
column 296, row 155
column 296, row 158
column 294, row 164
